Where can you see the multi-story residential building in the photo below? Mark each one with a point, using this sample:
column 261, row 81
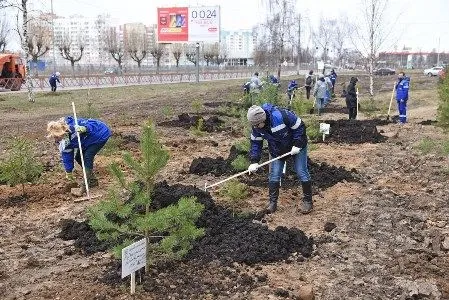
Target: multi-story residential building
column 240, row 45
column 79, row 30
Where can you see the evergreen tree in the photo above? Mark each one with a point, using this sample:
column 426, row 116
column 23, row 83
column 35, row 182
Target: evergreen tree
column 20, row 165
column 126, row 214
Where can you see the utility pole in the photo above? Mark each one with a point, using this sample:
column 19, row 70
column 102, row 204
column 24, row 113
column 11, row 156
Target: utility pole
column 298, row 59
column 197, row 62
column 53, row 30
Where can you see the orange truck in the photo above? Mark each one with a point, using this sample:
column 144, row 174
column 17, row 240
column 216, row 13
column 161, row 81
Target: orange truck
column 12, row 71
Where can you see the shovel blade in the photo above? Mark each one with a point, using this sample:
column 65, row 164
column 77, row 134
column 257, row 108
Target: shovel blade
column 85, row 198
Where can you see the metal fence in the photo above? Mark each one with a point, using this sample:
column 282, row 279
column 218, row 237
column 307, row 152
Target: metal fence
column 89, row 81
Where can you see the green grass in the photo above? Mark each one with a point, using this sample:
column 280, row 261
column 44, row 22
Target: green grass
column 426, row 145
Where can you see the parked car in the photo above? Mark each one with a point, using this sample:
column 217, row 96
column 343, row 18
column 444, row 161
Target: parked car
column 384, row 71
column 112, row 71
column 433, row 71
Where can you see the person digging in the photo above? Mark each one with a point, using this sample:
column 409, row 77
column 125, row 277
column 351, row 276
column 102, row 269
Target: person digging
column 93, row 134
column 285, row 132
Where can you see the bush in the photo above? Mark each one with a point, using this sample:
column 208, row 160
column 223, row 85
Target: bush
column 313, row 129
column 302, row 107
column 167, row 111
column 235, row 192
column 198, row 130
column 20, row 165
column 126, row 214
column 443, row 108
column 197, row 105
column 240, row 163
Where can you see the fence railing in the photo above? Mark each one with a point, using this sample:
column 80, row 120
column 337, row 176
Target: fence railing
column 41, row 82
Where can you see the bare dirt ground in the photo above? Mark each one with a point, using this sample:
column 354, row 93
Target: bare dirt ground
column 391, row 235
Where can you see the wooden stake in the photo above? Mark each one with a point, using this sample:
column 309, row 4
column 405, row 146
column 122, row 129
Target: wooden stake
column 133, row 282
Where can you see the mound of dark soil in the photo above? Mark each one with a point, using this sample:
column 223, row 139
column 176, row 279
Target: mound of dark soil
column 428, row 122
column 216, row 166
column 323, row 174
column 83, row 235
column 354, row 131
column 228, row 239
column 186, row 121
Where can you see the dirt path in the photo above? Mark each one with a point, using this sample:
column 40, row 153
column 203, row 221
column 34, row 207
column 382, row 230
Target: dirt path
column 390, row 239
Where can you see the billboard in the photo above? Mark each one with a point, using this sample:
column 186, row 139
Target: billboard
column 188, row 24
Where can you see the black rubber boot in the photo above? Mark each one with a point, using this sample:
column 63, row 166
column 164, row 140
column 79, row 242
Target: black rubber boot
column 91, row 180
column 273, row 195
column 307, row 203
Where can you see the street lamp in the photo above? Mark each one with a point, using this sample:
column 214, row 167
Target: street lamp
column 197, row 45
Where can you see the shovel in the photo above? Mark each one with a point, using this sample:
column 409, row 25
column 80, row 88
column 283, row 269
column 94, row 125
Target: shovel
column 391, row 101
column 244, row 172
column 88, row 197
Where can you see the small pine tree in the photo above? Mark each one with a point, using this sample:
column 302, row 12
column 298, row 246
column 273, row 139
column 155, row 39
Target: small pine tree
column 20, row 165
column 126, row 214
column 235, row 192
column 240, row 163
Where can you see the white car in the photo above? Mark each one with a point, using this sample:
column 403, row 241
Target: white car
column 433, row 71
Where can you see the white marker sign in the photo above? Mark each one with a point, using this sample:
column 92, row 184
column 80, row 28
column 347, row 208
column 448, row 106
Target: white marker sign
column 133, row 257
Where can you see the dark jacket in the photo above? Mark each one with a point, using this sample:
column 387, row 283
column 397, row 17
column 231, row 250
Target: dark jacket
column 281, row 136
column 351, row 94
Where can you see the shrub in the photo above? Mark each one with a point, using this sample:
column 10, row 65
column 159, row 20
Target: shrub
column 167, row 111
column 240, row 163
column 235, row 192
column 243, row 145
column 443, row 107
column 313, row 129
column 20, row 165
column 198, row 130
column 302, row 107
column 126, row 214
column 197, row 105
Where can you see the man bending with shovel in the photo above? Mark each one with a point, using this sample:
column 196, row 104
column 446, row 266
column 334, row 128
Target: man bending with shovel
column 93, row 135
column 285, row 133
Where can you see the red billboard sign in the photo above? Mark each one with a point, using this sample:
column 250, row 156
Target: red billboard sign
column 172, row 24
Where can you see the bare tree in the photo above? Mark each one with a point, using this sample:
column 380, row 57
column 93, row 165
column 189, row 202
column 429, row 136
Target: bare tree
column 39, row 39
column 324, row 36
column 210, row 51
column 371, row 33
column 277, row 28
column 71, row 52
column 222, row 54
column 137, row 46
column 176, row 50
column 22, row 7
column 114, row 46
column 4, row 32
column 190, row 52
column 158, row 51
column 339, row 37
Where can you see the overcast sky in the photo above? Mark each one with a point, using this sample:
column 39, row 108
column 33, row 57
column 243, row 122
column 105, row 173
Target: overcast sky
column 415, row 23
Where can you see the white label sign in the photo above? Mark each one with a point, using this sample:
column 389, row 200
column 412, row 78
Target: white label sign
column 133, row 257
column 204, row 24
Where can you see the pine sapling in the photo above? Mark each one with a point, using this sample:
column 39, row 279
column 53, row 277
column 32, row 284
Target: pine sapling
column 20, row 165
column 127, row 213
column 235, row 192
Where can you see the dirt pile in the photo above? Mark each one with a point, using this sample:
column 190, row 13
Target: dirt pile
column 211, row 124
column 228, row 239
column 354, row 131
column 323, row 174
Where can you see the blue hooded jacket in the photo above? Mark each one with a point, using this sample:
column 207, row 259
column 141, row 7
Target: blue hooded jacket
column 402, row 87
column 97, row 132
column 281, row 136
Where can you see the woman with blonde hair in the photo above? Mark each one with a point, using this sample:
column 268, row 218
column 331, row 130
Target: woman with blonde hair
column 93, row 134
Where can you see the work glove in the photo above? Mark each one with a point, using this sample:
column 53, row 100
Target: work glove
column 295, row 150
column 69, row 176
column 253, row 168
column 80, row 129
